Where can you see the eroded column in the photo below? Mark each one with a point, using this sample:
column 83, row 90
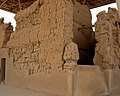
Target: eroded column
column 118, row 5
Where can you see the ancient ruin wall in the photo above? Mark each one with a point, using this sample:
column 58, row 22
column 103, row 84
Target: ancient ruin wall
column 83, row 33
column 42, row 32
column 5, row 33
column 107, row 35
column 82, row 26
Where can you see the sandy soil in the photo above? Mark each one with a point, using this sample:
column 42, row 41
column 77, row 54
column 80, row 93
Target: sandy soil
column 12, row 91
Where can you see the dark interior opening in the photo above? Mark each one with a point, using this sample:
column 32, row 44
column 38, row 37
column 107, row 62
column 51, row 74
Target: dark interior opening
column 90, row 56
column 3, row 62
column 84, row 36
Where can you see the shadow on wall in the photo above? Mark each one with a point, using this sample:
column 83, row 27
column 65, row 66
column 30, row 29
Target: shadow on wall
column 84, row 36
column 2, row 70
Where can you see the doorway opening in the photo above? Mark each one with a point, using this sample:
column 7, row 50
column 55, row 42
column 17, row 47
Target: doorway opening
column 3, row 67
column 86, row 56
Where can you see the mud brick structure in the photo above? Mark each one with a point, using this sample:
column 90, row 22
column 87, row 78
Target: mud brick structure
column 5, row 33
column 55, row 50
column 36, row 49
column 107, row 35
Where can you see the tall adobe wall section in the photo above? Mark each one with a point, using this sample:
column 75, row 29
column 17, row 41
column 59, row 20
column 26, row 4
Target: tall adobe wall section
column 107, row 35
column 83, row 34
column 5, row 33
column 42, row 32
column 37, row 46
column 42, row 45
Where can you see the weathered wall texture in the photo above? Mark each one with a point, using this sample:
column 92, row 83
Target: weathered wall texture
column 107, row 35
column 46, row 30
column 37, row 46
column 43, row 43
column 42, row 32
column 83, row 33
column 5, row 32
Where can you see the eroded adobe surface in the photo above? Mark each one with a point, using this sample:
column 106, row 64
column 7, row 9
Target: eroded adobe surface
column 83, row 34
column 5, row 33
column 107, row 35
column 42, row 31
column 46, row 40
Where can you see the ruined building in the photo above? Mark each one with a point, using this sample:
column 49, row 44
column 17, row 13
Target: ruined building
column 55, row 50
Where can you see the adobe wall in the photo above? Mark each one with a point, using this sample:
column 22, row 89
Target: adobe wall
column 5, row 33
column 83, row 34
column 107, row 35
column 41, row 35
column 37, row 46
column 118, row 6
column 82, row 26
column 41, row 50
column 92, row 81
column 103, row 78
column 89, row 81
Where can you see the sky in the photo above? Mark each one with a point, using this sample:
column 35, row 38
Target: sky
column 95, row 11
column 9, row 17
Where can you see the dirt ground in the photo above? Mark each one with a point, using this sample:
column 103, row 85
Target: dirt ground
column 12, row 91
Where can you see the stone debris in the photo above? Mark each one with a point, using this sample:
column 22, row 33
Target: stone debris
column 107, row 35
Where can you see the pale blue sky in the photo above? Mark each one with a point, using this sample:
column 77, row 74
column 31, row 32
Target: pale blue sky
column 9, row 17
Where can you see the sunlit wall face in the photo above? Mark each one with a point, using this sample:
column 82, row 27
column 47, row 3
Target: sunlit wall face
column 9, row 17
